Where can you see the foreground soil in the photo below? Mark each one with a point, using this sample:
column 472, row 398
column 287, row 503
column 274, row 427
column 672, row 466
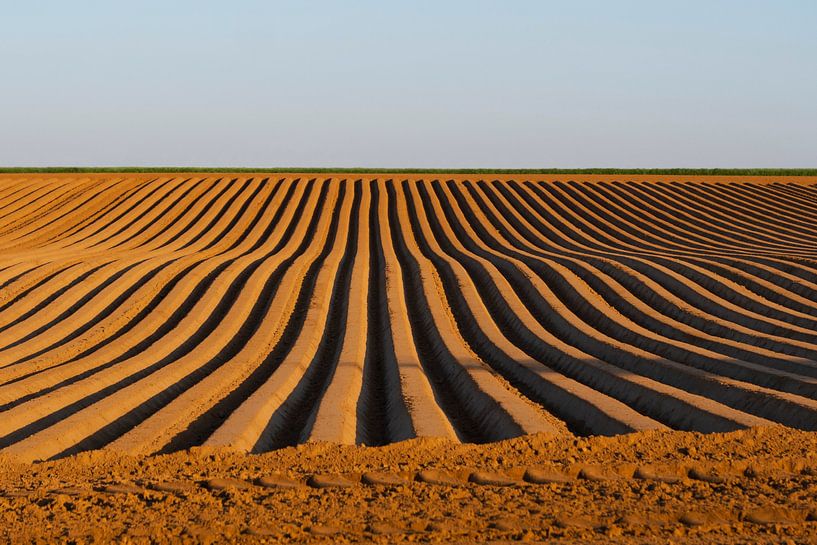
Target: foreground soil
column 751, row 486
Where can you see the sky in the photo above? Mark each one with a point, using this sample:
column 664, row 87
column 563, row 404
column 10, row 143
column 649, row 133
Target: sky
column 444, row 83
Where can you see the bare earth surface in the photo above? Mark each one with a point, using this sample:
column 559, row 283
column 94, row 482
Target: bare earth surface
column 158, row 331
column 757, row 486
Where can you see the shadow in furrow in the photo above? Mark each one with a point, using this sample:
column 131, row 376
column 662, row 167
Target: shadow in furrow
column 132, row 288
column 172, row 320
column 83, row 222
column 200, row 429
column 749, row 401
column 101, row 315
column 580, row 417
column 201, row 230
column 121, row 425
column 125, row 422
column 713, row 324
column 472, row 413
column 127, row 212
column 382, row 415
column 516, row 331
column 171, row 208
column 55, row 204
column 567, row 293
column 158, row 207
column 48, row 300
column 80, row 206
column 20, row 296
column 236, row 218
column 291, row 423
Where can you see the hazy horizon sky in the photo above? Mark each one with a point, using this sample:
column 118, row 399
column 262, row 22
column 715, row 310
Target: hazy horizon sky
column 515, row 84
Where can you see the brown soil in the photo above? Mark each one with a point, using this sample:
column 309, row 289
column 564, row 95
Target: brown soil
column 756, row 486
column 142, row 316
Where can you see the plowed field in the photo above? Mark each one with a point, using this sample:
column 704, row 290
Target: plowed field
column 152, row 314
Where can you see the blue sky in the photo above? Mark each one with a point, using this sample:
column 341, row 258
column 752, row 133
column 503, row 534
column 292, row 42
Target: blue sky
column 410, row 84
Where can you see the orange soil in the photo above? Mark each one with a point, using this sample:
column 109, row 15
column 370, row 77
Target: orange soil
column 149, row 314
column 755, row 486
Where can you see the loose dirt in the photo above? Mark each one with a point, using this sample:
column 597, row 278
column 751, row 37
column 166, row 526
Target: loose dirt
column 754, row 486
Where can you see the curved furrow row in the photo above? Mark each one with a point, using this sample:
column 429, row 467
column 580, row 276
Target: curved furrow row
column 646, row 276
column 133, row 294
column 148, row 315
column 793, row 194
column 173, row 348
column 148, row 326
column 571, row 330
column 87, row 297
column 683, row 216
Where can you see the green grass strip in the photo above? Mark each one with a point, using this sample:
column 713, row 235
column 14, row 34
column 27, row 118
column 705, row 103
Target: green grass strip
column 653, row 171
